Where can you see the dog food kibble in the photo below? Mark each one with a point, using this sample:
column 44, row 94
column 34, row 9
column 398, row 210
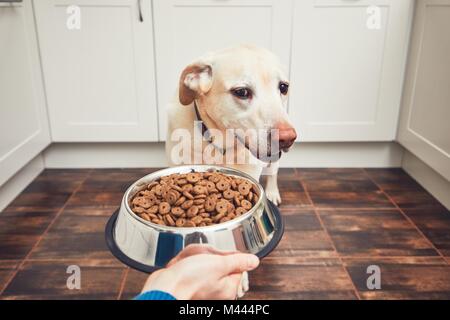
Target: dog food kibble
column 164, row 208
column 195, row 199
column 177, row 212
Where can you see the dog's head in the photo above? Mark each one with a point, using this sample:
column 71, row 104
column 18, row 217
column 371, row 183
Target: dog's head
column 242, row 88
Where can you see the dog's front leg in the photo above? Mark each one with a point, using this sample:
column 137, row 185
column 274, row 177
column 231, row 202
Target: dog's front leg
column 272, row 192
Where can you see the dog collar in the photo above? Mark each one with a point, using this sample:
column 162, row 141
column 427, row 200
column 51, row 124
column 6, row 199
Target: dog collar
column 205, row 131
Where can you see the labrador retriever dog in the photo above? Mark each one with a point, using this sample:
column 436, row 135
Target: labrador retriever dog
column 242, row 90
column 239, row 93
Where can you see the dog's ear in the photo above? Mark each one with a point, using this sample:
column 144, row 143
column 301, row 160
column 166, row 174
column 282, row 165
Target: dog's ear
column 195, row 80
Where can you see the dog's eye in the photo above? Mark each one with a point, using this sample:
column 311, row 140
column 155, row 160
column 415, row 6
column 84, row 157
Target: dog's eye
column 242, row 93
column 284, row 88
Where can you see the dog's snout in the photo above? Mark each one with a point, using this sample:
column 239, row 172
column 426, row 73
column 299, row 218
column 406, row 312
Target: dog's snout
column 287, row 138
column 286, row 135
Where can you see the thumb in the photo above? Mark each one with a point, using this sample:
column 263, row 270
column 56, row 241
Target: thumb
column 239, row 262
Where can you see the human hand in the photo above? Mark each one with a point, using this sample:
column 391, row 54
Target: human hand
column 194, row 249
column 202, row 272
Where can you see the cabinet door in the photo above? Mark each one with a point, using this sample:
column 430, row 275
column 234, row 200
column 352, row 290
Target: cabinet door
column 186, row 29
column 23, row 120
column 424, row 123
column 347, row 69
column 99, row 78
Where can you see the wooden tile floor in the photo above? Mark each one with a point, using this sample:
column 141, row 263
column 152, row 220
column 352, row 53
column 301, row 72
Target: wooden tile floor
column 338, row 222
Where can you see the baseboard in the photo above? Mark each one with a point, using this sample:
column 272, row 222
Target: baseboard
column 432, row 181
column 116, row 155
column 15, row 185
column 105, row 155
column 344, row 155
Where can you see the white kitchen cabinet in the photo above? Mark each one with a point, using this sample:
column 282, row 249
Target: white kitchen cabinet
column 24, row 129
column 346, row 73
column 424, row 123
column 186, row 29
column 99, row 78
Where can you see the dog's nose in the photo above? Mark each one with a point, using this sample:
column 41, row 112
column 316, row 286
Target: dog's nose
column 286, row 136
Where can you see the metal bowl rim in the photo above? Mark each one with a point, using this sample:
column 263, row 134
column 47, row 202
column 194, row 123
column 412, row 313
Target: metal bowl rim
column 167, row 171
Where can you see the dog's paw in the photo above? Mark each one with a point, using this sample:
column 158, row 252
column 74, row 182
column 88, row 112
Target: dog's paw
column 245, row 282
column 273, row 194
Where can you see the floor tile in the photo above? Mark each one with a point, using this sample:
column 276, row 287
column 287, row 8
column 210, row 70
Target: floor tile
column 293, row 194
column 336, row 173
column 400, row 260
column 402, row 278
column 48, row 280
column 342, row 188
column 64, row 174
column 16, row 246
column 6, row 270
column 350, row 200
column 393, row 179
column 84, row 199
column 49, row 191
column 25, row 222
column 74, row 237
column 290, row 186
column 293, row 210
column 20, row 231
column 38, row 201
column 303, row 235
column 435, row 225
column 287, row 172
column 113, row 180
column 297, row 199
column 134, row 173
column 133, row 285
column 302, row 295
column 377, row 232
column 9, row 264
column 414, row 199
column 320, row 280
column 106, row 211
column 57, row 181
column 336, row 180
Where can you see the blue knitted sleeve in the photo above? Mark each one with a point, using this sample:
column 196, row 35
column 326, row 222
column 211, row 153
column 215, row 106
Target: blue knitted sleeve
column 155, row 295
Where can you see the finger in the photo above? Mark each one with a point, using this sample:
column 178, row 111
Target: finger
column 190, row 250
column 230, row 286
column 197, row 248
column 238, row 263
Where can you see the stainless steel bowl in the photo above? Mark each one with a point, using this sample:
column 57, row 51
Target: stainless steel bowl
column 152, row 245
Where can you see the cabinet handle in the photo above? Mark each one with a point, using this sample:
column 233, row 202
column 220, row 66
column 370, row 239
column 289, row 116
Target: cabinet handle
column 141, row 17
column 10, row 1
